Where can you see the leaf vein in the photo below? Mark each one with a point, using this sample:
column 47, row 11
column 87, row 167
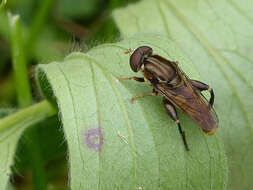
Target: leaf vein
column 99, row 120
column 75, row 113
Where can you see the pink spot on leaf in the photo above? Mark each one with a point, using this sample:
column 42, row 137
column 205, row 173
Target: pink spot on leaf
column 94, row 139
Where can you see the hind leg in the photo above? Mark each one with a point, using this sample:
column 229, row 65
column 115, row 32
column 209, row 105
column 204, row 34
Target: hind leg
column 202, row 86
column 171, row 110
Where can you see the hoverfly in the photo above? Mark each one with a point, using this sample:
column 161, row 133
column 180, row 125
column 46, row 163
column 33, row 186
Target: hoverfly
column 178, row 91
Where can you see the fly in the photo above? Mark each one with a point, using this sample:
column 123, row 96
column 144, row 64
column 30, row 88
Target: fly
column 178, row 91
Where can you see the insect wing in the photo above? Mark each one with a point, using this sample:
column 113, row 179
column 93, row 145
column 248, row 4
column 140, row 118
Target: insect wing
column 192, row 102
column 211, row 109
column 201, row 98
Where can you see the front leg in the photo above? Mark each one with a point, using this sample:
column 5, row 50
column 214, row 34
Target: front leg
column 202, row 86
column 171, row 110
column 154, row 93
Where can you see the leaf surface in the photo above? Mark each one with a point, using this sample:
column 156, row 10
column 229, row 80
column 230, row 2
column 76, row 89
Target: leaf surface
column 216, row 36
column 114, row 144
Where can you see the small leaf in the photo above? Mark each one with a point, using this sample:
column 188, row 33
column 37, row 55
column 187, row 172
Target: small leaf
column 217, row 36
column 114, row 144
column 11, row 128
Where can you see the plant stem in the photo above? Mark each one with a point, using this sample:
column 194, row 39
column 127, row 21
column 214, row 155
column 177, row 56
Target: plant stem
column 2, row 4
column 19, row 63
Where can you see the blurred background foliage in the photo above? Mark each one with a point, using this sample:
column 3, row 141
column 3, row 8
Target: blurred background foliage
column 50, row 29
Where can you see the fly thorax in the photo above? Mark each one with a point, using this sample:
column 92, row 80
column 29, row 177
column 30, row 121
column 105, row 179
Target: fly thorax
column 161, row 72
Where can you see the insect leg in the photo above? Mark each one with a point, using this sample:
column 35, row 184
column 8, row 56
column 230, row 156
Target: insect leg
column 202, row 86
column 139, row 79
column 154, row 93
column 173, row 114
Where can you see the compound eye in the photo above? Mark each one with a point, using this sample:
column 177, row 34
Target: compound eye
column 136, row 59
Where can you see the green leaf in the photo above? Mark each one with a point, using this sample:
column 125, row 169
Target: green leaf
column 11, row 128
column 217, row 36
column 114, row 144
